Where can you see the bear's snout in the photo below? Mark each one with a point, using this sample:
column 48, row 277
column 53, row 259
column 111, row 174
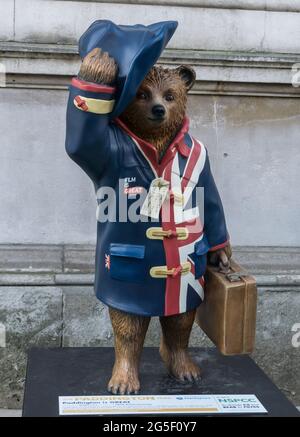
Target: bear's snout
column 158, row 111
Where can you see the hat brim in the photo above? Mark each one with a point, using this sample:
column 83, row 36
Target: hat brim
column 135, row 48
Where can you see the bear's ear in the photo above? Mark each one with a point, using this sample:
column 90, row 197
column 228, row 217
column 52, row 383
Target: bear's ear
column 187, row 74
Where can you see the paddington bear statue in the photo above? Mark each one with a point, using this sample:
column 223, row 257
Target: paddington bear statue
column 127, row 129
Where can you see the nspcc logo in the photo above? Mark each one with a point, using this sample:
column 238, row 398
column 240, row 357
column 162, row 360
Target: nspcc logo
column 229, row 400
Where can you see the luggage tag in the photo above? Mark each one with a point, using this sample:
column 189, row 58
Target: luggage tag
column 157, row 193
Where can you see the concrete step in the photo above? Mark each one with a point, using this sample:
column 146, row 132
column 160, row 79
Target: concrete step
column 274, row 267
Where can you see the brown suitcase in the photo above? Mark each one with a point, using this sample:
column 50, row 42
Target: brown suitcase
column 228, row 313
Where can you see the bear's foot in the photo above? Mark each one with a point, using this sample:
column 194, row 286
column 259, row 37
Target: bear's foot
column 124, row 380
column 180, row 365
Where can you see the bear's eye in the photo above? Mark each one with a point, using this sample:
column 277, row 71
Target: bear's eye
column 142, row 95
column 169, row 97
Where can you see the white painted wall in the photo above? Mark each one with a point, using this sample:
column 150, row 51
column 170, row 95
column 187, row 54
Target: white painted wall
column 199, row 28
column 252, row 131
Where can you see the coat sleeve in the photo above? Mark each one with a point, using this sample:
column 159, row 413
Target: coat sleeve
column 214, row 219
column 87, row 128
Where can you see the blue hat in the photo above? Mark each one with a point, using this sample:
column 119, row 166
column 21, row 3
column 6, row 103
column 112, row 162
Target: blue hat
column 135, row 48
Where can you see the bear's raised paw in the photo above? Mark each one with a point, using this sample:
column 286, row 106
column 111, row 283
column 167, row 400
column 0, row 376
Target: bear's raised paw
column 98, row 67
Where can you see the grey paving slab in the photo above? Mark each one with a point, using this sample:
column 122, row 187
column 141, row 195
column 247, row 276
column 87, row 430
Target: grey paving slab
column 85, row 319
column 29, row 316
column 275, row 351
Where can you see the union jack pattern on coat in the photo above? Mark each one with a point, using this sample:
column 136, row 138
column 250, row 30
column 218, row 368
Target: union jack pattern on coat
column 150, row 268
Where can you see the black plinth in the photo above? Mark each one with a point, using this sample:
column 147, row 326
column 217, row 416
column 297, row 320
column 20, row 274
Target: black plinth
column 86, row 371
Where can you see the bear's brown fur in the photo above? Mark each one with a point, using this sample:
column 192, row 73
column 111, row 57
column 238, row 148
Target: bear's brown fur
column 165, row 87
column 155, row 115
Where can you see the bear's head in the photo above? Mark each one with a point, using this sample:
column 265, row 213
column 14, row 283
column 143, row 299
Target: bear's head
column 158, row 109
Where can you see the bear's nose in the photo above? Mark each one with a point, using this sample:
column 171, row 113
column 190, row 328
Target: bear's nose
column 158, row 110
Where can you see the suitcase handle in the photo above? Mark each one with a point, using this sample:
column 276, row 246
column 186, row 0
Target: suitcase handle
column 235, row 276
column 232, row 276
